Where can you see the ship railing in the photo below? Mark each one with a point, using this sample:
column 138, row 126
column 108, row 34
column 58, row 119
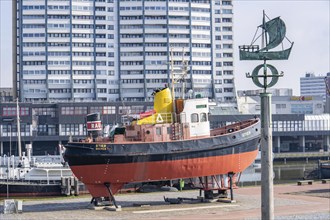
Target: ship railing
column 161, row 118
column 157, row 118
column 233, row 127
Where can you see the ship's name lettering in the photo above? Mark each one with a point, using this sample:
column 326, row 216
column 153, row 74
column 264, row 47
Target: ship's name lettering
column 100, row 147
column 95, row 125
column 245, row 134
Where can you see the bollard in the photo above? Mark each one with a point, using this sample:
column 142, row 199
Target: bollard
column 68, row 187
column 76, row 187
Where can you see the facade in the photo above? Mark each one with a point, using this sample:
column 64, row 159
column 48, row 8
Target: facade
column 312, row 85
column 283, row 105
column 6, row 94
column 273, row 91
column 47, row 125
column 107, row 50
column 327, row 99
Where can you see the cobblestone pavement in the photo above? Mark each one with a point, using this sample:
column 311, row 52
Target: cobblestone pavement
column 291, row 202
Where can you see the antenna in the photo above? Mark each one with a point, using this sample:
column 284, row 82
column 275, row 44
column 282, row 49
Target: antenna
column 173, row 91
column 184, row 73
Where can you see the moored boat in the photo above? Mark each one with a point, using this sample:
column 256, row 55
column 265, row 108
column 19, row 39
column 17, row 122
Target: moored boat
column 324, row 166
column 34, row 176
column 27, row 175
column 172, row 141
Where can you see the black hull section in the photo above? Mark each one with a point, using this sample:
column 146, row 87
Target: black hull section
column 29, row 189
column 78, row 154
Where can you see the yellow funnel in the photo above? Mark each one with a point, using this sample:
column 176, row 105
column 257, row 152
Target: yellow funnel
column 163, row 105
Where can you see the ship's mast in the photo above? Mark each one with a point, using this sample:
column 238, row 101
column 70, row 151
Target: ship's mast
column 173, row 91
column 184, row 73
column 18, row 130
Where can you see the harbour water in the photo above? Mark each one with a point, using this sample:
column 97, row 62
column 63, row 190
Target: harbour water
column 283, row 172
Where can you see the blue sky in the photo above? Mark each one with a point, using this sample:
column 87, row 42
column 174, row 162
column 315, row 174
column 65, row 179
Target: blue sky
column 307, row 23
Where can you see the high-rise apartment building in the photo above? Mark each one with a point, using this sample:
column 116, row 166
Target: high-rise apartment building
column 107, row 50
column 312, row 85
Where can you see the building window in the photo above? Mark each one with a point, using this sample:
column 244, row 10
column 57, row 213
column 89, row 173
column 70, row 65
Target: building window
column 44, row 111
column 107, row 110
column 124, row 109
column 95, row 109
column 302, row 109
column 72, row 129
column 137, row 109
column 67, row 110
column 280, row 106
column 11, row 111
column 79, row 110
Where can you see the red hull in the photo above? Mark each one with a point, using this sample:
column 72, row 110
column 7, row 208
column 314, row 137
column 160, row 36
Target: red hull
column 94, row 176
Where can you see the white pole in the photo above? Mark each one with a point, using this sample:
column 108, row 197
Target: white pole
column 47, row 177
column 18, row 131
column 10, row 140
column 8, row 176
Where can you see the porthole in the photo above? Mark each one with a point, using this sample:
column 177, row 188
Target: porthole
column 230, row 130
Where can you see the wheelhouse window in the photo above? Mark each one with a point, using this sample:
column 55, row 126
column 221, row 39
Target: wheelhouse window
column 194, row 118
column 159, row 131
column 203, row 117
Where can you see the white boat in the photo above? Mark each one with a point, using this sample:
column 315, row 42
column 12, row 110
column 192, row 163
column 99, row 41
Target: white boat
column 32, row 175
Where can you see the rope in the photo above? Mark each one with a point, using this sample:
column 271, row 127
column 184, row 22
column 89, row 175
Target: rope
column 254, row 39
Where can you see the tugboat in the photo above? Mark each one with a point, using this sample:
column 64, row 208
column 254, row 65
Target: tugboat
column 172, row 141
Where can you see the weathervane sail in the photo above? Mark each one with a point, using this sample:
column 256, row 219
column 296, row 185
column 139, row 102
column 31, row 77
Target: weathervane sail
column 275, row 30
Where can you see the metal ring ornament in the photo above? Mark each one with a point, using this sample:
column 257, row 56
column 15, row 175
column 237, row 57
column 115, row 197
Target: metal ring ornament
column 274, row 76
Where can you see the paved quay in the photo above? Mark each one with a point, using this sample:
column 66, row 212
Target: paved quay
column 291, row 202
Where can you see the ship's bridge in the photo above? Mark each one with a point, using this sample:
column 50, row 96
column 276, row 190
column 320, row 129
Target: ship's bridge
column 196, row 114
